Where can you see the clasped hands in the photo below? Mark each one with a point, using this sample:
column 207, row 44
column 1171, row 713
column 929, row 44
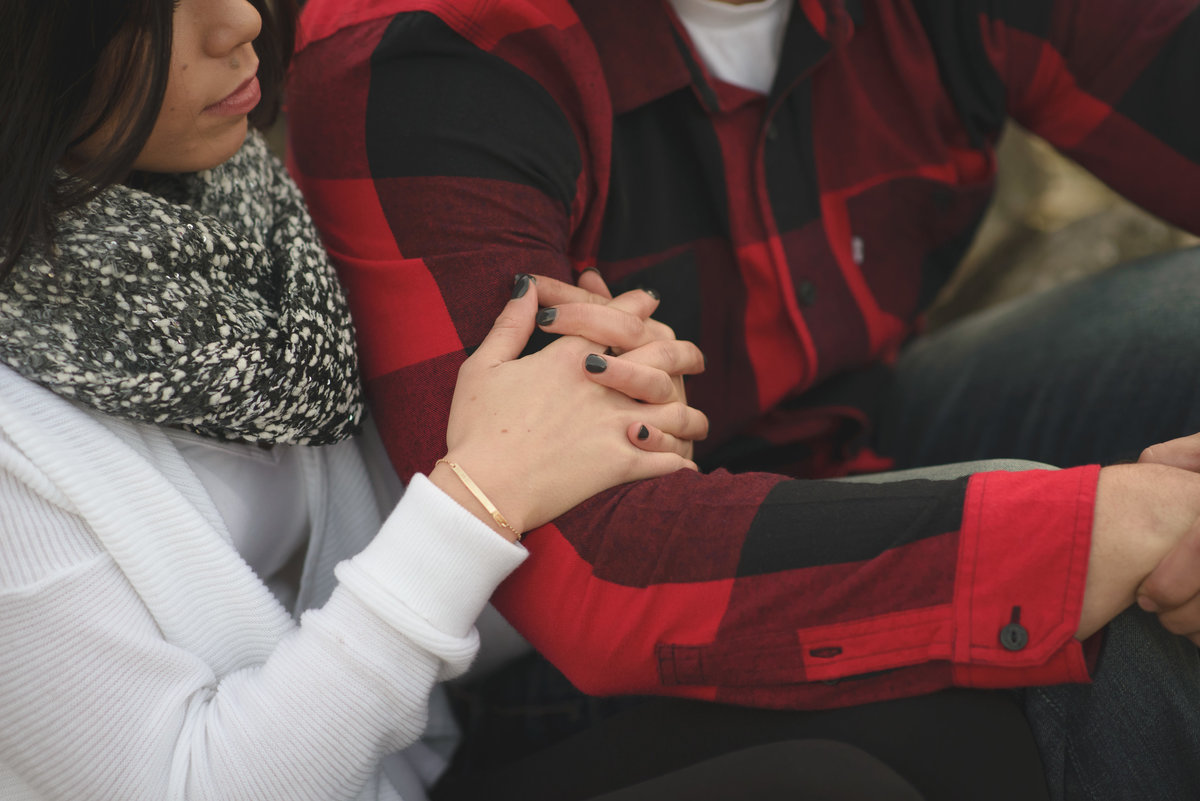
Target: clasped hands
column 542, row 433
column 651, row 362
column 1146, row 540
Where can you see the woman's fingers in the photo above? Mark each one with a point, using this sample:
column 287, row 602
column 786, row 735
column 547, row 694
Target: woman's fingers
column 642, row 303
column 591, row 280
column 676, row 419
column 649, row 373
column 639, row 302
column 591, row 288
column 621, row 324
column 654, row 440
column 512, row 328
column 630, row 378
column 554, row 292
column 589, row 310
column 674, row 357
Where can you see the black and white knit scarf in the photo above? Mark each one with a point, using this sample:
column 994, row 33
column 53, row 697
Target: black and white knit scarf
column 205, row 303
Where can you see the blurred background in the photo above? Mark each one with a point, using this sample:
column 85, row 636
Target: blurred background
column 1050, row 222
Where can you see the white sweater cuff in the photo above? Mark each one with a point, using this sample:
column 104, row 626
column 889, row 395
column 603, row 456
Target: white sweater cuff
column 432, row 558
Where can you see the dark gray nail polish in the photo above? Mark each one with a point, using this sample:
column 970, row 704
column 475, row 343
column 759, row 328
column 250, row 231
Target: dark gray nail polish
column 595, row 363
column 652, row 292
column 643, row 433
column 520, row 285
column 547, row 316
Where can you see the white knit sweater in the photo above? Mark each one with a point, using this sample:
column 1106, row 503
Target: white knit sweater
column 141, row 658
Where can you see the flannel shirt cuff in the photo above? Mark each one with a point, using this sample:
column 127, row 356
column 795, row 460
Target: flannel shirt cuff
column 1022, row 567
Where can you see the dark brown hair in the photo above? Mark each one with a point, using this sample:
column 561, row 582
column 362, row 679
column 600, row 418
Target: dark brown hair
column 68, row 67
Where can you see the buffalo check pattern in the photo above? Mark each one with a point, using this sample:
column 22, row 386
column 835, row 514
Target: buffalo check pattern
column 446, row 145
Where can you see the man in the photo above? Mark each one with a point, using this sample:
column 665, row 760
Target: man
column 797, row 221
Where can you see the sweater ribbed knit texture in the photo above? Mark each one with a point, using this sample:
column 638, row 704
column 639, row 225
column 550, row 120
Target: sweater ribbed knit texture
column 141, row 658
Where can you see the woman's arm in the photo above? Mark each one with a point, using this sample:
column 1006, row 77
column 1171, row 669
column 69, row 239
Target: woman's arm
column 97, row 702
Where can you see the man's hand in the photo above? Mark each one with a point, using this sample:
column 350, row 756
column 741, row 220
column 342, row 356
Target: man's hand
column 1145, row 540
column 1172, row 590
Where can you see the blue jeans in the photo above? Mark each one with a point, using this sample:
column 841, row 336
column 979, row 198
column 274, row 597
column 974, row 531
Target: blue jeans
column 1090, row 372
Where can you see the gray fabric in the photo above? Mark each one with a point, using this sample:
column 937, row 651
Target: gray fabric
column 946, row 472
column 205, row 303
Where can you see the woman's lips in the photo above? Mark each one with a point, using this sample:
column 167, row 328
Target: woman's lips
column 240, row 101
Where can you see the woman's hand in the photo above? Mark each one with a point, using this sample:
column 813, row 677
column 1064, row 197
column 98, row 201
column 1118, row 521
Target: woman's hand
column 589, row 310
column 540, row 434
column 623, row 326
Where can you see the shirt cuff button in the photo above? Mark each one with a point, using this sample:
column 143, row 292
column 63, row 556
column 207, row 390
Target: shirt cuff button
column 1014, row 637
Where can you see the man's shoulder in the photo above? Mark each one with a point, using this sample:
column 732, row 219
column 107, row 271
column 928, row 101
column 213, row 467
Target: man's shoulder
column 483, row 23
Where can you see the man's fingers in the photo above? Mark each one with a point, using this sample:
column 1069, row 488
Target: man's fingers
column 1183, row 620
column 1183, row 453
column 1176, row 579
column 512, row 328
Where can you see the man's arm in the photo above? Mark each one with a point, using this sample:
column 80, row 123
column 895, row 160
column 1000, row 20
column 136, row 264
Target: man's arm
column 444, row 154
column 1111, row 84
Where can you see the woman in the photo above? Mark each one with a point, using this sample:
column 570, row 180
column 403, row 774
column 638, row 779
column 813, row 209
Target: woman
column 204, row 590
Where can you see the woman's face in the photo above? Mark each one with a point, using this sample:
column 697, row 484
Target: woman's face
column 211, row 88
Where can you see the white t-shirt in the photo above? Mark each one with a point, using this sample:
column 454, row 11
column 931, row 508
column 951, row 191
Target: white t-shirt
column 740, row 44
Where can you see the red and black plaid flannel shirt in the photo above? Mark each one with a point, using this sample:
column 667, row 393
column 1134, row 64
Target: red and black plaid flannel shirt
column 447, row 144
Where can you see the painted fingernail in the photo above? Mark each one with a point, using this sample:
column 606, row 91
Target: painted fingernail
column 547, row 316
column 595, row 270
column 652, row 292
column 521, row 285
column 643, row 433
column 595, row 363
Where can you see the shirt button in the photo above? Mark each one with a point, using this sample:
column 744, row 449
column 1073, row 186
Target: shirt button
column 806, row 293
column 1014, row 637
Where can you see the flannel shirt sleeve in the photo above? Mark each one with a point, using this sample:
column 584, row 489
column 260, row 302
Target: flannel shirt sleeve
column 443, row 153
column 1111, row 84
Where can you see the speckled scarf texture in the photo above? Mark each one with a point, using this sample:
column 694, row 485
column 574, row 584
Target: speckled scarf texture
column 203, row 301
